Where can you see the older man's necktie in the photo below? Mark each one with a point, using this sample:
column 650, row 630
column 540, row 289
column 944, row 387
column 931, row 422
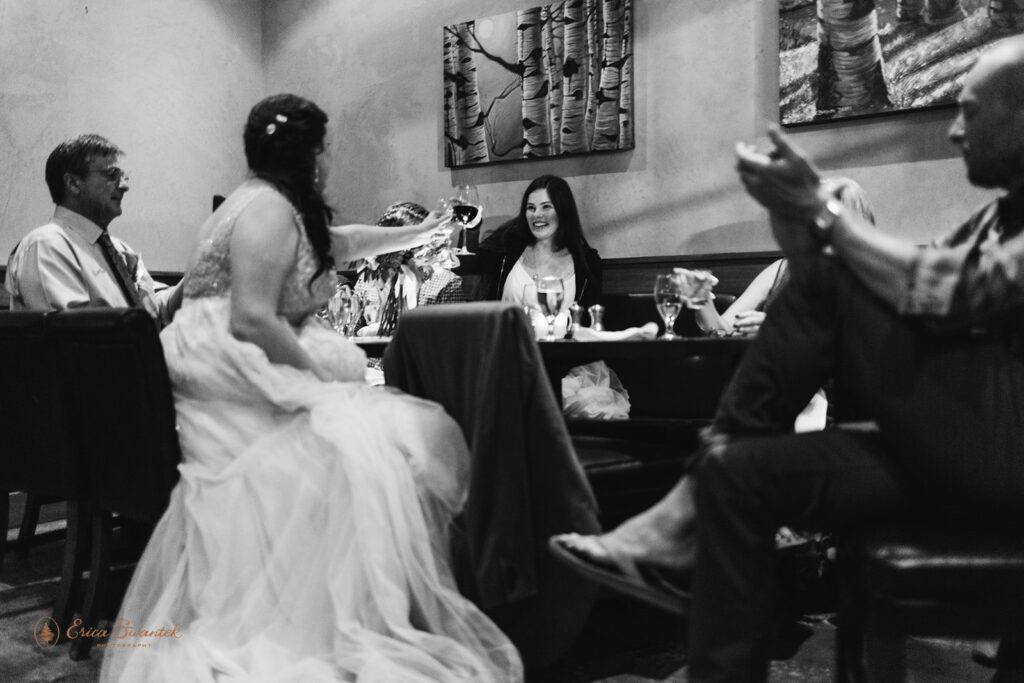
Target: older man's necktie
column 120, row 268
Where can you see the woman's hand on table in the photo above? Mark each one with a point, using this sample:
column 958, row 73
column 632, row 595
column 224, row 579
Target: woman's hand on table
column 748, row 323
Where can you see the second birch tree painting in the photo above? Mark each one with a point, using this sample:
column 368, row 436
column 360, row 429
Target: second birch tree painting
column 847, row 58
column 539, row 82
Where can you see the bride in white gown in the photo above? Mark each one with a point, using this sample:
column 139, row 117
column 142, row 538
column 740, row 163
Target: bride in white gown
column 306, row 539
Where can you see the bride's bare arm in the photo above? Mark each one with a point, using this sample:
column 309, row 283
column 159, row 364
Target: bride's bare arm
column 263, row 247
column 355, row 241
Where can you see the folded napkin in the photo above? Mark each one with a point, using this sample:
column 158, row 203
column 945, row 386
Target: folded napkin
column 369, row 330
column 647, row 331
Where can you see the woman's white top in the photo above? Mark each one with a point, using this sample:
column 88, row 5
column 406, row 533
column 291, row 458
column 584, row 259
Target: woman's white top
column 515, row 284
column 519, row 277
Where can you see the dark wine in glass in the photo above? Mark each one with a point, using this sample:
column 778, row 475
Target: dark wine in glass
column 466, row 213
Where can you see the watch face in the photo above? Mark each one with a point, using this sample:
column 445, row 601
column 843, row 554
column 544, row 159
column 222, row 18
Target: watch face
column 826, row 218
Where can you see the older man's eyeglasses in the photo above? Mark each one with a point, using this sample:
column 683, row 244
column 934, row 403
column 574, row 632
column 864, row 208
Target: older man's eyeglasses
column 113, row 174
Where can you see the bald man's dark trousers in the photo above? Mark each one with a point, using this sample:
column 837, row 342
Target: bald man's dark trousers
column 950, row 414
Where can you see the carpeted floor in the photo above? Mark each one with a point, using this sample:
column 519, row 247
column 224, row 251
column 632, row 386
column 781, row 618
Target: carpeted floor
column 27, row 586
column 625, row 642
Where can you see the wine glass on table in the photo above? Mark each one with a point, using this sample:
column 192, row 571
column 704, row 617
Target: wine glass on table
column 334, row 310
column 550, row 295
column 669, row 298
column 371, row 299
column 343, row 309
column 334, row 306
column 531, row 306
column 467, row 210
column 351, row 310
column 530, row 301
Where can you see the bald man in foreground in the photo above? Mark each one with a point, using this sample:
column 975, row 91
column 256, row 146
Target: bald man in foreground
column 929, row 341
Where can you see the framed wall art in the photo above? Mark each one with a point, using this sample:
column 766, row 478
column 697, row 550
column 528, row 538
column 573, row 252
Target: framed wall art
column 540, row 82
column 849, row 58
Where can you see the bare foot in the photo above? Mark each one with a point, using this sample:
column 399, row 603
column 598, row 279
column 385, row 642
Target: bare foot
column 661, row 536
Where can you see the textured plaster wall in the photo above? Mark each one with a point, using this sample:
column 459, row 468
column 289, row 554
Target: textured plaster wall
column 706, row 76
column 914, row 177
column 169, row 82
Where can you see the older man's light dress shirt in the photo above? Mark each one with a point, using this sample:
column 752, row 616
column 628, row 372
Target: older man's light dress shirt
column 61, row 265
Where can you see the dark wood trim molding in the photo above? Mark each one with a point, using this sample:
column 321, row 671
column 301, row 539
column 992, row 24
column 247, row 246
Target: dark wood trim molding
column 631, row 275
column 734, row 270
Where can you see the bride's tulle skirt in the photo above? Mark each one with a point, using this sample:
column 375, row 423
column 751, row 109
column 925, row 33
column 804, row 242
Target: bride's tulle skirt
column 306, row 539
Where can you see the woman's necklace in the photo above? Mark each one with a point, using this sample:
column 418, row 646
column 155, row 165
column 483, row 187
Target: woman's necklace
column 542, row 263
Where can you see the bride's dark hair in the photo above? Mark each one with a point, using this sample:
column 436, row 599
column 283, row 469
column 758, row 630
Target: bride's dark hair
column 283, row 136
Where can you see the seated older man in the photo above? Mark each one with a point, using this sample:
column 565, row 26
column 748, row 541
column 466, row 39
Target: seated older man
column 72, row 261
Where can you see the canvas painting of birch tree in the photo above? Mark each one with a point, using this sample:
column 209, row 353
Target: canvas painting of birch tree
column 539, row 82
column 849, row 58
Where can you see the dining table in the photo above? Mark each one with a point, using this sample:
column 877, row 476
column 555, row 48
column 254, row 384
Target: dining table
column 562, row 355
column 373, row 347
column 532, row 475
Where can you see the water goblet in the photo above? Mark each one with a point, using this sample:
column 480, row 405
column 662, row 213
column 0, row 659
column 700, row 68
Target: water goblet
column 530, row 301
column 343, row 309
column 351, row 309
column 550, row 294
column 668, row 297
column 334, row 306
column 531, row 306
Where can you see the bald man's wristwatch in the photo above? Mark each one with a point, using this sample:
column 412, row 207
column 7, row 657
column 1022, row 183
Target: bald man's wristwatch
column 826, row 219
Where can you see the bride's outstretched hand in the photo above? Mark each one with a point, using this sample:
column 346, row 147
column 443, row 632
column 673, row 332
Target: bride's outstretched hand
column 782, row 179
column 435, row 228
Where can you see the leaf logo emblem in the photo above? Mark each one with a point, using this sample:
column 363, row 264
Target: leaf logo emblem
column 47, row 632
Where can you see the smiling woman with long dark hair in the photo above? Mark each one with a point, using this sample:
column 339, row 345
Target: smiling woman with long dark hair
column 545, row 239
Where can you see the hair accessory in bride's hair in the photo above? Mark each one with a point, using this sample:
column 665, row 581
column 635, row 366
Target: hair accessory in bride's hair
column 271, row 127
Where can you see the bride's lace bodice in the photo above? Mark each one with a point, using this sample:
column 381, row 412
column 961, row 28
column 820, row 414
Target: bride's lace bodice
column 211, row 274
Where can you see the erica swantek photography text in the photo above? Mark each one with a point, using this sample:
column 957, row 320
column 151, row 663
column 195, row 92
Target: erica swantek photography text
column 122, row 633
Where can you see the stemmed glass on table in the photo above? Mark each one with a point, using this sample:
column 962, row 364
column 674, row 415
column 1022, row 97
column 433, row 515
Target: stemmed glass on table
column 550, row 294
column 668, row 297
column 343, row 310
column 530, row 301
column 682, row 288
column 531, row 306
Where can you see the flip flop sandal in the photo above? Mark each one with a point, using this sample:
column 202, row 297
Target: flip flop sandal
column 662, row 588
